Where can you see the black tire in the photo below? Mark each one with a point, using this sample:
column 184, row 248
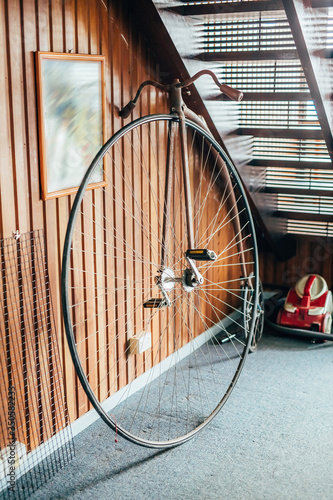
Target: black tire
column 111, row 264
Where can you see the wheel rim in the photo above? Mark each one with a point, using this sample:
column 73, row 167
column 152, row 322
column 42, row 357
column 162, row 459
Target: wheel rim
column 111, row 267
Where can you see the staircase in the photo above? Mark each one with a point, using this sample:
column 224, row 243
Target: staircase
column 280, row 136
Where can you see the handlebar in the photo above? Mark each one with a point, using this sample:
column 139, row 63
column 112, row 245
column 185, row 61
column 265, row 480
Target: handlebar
column 232, row 93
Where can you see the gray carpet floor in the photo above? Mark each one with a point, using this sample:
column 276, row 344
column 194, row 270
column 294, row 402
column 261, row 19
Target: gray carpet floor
column 273, row 440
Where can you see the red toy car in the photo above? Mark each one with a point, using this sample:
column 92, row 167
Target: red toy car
column 308, row 306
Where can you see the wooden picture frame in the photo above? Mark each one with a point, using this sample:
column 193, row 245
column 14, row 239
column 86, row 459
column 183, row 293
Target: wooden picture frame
column 71, row 115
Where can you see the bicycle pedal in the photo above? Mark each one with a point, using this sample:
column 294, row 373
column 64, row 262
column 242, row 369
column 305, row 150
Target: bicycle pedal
column 154, row 303
column 201, row 254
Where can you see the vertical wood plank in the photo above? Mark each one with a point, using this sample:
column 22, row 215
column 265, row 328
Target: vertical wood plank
column 69, row 26
column 18, row 137
column 8, row 220
column 82, row 26
column 29, row 47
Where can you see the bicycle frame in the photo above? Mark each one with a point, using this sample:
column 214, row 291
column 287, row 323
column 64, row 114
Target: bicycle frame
column 178, row 108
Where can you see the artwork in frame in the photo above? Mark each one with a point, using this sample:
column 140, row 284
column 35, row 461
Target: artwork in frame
column 71, row 108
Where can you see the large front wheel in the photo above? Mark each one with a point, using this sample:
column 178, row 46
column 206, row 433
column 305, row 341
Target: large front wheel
column 152, row 343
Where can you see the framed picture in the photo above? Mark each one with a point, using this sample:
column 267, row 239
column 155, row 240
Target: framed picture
column 71, row 109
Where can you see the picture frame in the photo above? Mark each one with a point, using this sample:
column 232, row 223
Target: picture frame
column 71, row 117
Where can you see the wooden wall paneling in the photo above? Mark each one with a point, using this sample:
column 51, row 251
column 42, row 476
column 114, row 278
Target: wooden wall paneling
column 120, row 272
column 154, row 230
column 142, row 110
column 200, row 298
column 269, row 269
column 51, row 226
column 146, row 222
column 289, row 277
column 57, row 35
column 99, row 289
column 31, row 332
column 77, row 36
column 43, row 26
column 138, row 299
column 82, row 26
column 16, row 342
column 97, row 11
column 85, row 329
column 211, row 225
column 313, row 265
column 105, row 49
column 311, row 257
column 266, row 267
column 120, row 244
column 162, row 137
column 151, row 166
column 170, row 319
column 200, row 221
column 69, row 26
column 177, row 210
column 29, row 42
column 316, row 262
column 207, row 204
column 87, row 27
column 4, row 361
column 128, row 186
column 139, row 240
column 56, row 26
column 89, row 262
column 94, row 27
column 222, row 273
column 46, row 355
column 110, row 358
column 5, row 358
column 45, row 39
column 160, row 189
column 129, row 252
column 211, row 207
column 67, row 364
column 18, row 138
column 191, row 327
column 115, row 64
column 78, row 318
column 163, row 143
column 279, row 272
column 111, row 42
column 45, row 345
column 107, row 339
column 326, row 259
column 8, row 215
column 305, row 259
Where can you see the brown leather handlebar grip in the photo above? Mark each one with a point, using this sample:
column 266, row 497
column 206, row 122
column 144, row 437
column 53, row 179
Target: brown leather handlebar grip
column 234, row 94
column 127, row 110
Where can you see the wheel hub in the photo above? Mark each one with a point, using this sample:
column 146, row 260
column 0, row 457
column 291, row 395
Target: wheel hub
column 166, row 280
column 189, row 281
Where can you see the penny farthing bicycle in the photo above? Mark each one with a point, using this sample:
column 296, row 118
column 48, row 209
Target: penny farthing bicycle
column 160, row 269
